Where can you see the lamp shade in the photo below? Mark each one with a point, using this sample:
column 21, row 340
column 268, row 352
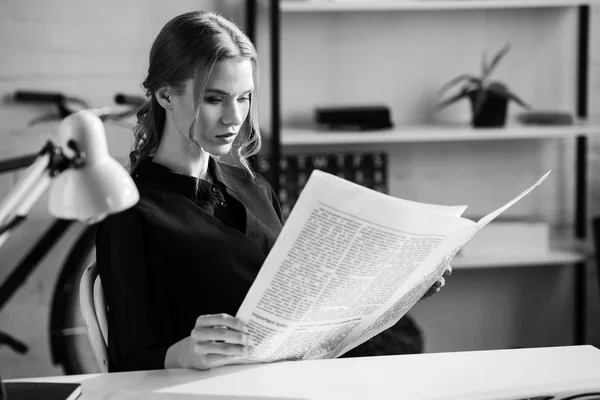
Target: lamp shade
column 101, row 186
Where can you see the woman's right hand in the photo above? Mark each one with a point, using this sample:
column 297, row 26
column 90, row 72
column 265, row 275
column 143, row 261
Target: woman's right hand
column 216, row 340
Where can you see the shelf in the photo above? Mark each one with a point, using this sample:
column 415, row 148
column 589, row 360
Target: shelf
column 291, row 137
column 390, row 5
column 554, row 257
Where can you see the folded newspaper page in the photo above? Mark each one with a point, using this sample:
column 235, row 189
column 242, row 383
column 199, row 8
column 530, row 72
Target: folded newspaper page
column 348, row 264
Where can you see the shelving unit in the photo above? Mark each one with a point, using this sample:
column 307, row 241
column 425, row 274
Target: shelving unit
column 431, row 133
column 289, row 139
column 391, row 5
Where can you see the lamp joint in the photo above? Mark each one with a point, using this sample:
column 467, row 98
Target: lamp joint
column 59, row 161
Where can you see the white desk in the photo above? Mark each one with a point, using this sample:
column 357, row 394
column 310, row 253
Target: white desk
column 497, row 375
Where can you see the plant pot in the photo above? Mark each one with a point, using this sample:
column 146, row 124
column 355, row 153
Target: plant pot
column 492, row 112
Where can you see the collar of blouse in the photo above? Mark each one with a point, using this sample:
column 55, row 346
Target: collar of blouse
column 149, row 172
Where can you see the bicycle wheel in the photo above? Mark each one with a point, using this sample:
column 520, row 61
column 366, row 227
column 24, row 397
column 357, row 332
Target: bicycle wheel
column 69, row 343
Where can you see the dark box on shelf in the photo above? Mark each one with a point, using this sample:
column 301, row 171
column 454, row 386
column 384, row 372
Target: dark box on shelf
column 359, row 118
column 545, row 117
column 366, row 169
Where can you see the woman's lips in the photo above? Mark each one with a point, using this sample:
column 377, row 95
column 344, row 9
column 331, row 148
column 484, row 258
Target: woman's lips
column 227, row 137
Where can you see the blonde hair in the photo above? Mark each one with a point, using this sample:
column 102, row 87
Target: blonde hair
column 189, row 46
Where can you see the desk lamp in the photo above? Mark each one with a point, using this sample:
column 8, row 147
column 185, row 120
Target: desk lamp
column 86, row 184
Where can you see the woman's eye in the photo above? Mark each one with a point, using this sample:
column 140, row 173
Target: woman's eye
column 212, row 100
column 244, row 99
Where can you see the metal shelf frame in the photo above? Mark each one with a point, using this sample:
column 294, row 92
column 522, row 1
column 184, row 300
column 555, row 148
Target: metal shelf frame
column 581, row 156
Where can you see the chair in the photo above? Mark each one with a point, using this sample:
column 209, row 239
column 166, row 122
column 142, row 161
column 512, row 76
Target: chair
column 93, row 310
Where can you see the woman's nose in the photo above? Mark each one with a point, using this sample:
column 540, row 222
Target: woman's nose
column 233, row 115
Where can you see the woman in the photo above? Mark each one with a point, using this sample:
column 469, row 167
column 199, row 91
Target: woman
column 176, row 267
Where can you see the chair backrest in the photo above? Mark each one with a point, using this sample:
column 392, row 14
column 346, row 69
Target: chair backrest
column 93, row 310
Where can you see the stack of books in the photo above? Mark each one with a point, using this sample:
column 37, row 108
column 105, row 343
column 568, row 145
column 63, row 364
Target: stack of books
column 366, row 169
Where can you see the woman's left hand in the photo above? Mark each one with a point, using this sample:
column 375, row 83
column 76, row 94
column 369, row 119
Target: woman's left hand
column 439, row 284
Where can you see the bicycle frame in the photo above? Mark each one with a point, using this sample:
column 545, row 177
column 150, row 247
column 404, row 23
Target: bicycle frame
column 13, row 211
column 65, row 286
column 40, row 168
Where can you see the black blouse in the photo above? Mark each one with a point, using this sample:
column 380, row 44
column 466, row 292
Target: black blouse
column 181, row 252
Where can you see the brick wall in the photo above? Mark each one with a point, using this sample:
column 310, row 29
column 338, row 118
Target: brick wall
column 88, row 49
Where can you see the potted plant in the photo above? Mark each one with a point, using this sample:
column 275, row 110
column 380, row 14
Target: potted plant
column 489, row 98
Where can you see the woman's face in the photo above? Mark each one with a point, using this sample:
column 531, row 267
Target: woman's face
column 225, row 106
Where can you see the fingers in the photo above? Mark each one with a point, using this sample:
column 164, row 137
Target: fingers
column 224, row 349
column 440, row 283
column 432, row 290
column 436, row 287
column 207, row 361
column 204, row 334
column 226, row 320
column 218, row 360
column 219, row 338
column 448, row 271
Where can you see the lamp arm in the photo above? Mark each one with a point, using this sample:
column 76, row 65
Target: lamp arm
column 36, row 179
column 15, row 198
column 21, row 198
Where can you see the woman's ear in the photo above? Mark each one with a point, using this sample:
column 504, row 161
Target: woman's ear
column 163, row 96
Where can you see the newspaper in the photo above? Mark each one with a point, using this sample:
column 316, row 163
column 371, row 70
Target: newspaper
column 348, row 264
